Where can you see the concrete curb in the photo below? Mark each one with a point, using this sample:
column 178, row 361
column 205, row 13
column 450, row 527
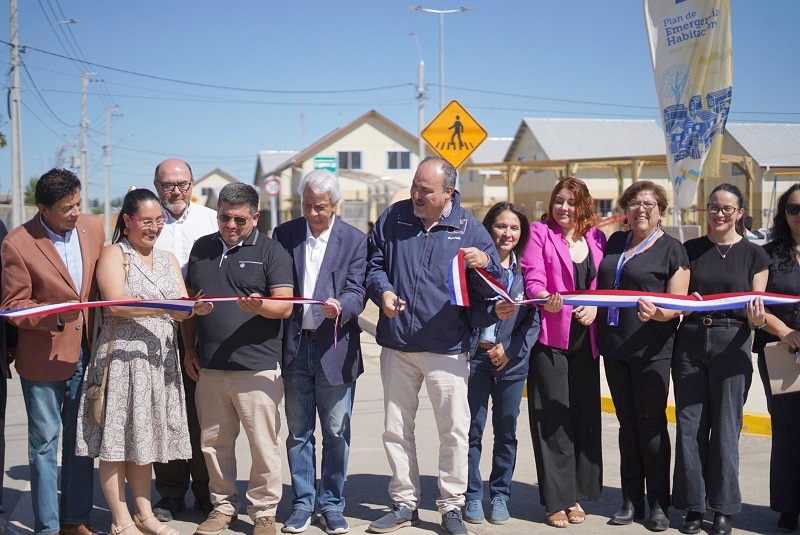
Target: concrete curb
column 753, row 423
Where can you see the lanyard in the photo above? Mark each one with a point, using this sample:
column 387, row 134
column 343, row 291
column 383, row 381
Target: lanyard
column 636, row 250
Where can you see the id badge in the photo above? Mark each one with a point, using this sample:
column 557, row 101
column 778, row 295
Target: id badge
column 613, row 316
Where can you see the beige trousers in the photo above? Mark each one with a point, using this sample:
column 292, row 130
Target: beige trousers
column 224, row 400
column 445, row 378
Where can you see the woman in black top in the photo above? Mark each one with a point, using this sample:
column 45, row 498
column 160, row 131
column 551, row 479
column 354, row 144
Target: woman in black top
column 636, row 344
column 783, row 322
column 712, row 367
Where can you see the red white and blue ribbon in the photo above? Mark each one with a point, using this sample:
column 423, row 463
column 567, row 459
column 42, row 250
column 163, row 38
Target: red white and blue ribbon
column 458, row 281
column 630, row 298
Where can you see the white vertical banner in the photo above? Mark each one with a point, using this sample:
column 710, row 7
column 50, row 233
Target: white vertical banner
column 691, row 51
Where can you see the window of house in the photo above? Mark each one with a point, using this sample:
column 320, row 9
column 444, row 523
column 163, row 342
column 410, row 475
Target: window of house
column 399, row 159
column 350, row 160
column 205, row 192
column 736, row 170
column 604, row 207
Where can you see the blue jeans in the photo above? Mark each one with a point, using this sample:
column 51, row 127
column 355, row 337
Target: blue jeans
column 506, row 398
column 51, row 404
column 308, row 392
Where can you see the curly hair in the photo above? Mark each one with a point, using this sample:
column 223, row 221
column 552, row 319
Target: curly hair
column 780, row 235
column 584, row 205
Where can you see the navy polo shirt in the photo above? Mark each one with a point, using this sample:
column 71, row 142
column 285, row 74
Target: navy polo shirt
column 230, row 338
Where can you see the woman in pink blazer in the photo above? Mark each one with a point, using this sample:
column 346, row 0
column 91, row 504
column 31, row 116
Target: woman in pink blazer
column 563, row 254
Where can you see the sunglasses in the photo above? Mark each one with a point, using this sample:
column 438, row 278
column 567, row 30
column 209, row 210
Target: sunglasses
column 792, row 208
column 240, row 220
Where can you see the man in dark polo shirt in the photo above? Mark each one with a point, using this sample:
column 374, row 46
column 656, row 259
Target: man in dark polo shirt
column 234, row 354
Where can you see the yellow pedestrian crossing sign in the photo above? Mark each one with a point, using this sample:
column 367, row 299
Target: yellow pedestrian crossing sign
column 454, row 134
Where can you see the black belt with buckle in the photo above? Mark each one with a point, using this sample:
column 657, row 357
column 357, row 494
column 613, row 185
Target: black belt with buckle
column 708, row 321
column 311, row 334
column 485, row 345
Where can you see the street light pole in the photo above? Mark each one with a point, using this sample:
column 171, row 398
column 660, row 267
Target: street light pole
column 441, row 13
column 14, row 109
column 420, row 99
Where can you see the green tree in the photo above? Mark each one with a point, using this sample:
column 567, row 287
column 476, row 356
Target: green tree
column 30, row 191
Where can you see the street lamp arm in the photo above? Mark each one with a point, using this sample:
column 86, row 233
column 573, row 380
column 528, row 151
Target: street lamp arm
column 25, row 49
column 441, row 11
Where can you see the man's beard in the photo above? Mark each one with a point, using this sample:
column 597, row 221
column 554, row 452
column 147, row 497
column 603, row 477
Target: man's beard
column 177, row 207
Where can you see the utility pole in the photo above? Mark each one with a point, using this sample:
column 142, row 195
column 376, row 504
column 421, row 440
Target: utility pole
column 420, row 99
column 17, row 189
column 84, row 145
column 107, row 151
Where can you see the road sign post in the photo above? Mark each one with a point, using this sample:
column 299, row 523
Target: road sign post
column 454, row 134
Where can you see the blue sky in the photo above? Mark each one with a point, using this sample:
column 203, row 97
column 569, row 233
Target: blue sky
column 215, row 82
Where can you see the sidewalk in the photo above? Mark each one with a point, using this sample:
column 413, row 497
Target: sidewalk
column 368, row 474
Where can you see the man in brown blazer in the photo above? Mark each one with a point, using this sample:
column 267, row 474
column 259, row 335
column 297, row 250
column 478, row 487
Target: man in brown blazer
column 51, row 259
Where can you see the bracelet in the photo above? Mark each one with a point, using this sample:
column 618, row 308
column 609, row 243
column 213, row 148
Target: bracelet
column 759, row 327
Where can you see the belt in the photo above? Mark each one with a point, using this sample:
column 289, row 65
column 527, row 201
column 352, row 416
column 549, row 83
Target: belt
column 311, row 334
column 485, row 345
column 708, row 321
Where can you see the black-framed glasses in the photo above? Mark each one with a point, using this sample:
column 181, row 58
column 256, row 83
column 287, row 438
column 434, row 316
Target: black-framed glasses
column 240, row 220
column 648, row 205
column 792, row 208
column 157, row 222
column 715, row 209
column 183, row 187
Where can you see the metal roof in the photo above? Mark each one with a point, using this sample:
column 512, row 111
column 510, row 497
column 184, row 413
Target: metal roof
column 493, row 149
column 569, row 139
column 773, row 145
column 270, row 159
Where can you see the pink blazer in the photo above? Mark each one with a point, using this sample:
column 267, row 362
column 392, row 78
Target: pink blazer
column 547, row 266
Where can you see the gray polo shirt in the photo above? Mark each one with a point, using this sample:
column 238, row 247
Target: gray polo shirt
column 230, row 338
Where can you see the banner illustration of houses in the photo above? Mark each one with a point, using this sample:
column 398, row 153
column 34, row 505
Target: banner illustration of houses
column 691, row 52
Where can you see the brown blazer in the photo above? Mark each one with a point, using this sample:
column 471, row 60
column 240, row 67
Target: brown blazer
column 33, row 275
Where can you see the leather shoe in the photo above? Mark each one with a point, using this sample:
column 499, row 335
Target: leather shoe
column 627, row 513
column 692, row 523
column 659, row 521
column 722, row 524
column 787, row 522
column 80, row 529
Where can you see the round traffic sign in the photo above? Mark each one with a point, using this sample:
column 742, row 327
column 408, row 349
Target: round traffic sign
column 272, row 187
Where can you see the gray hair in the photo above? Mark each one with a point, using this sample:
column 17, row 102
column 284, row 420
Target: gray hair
column 450, row 172
column 238, row 193
column 321, row 181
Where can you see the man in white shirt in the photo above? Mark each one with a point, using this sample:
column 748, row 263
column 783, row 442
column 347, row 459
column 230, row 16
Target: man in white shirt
column 185, row 223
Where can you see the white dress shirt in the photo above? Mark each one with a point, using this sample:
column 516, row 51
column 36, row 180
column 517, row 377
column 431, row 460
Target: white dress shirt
column 315, row 252
column 178, row 235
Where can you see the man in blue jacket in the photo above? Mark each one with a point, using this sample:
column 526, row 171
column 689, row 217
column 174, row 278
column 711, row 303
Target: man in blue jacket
column 424, row 337
column 330, row 259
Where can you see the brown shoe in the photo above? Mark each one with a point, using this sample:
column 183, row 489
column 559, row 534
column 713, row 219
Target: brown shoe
column 215, row 523
column 264, row 525
column 80, row 529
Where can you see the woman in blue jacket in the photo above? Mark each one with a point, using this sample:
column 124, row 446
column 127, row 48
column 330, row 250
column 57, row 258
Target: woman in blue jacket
column 499, row 367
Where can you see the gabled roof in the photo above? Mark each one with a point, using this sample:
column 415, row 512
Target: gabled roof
column 335, row 135
column 773, row 145
column 218, row 172
column 270, row 159
column 573, row 139
column 493, row 149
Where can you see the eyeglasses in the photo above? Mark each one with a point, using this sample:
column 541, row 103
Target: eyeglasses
column 648, row 205
column 240, row 220
column 715, row 209
column 793, row 209
column 158, row 222
column 183, row 187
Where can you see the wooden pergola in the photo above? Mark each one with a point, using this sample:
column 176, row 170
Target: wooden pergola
column 512, row 171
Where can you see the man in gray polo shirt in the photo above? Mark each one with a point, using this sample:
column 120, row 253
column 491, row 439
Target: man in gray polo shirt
column 237, row 367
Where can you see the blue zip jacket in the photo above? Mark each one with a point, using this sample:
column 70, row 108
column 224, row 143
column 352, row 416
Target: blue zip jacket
column 414, row 264
column 517, row 334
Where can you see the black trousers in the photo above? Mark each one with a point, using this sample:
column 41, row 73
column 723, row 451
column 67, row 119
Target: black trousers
column 640, row 390
column 712, row 370
column 172, row 478
column 564, row 412
column 784, row 461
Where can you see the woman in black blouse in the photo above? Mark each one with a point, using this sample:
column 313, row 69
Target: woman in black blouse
column 783, row 322
column 636, row 344
column 712, row 367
